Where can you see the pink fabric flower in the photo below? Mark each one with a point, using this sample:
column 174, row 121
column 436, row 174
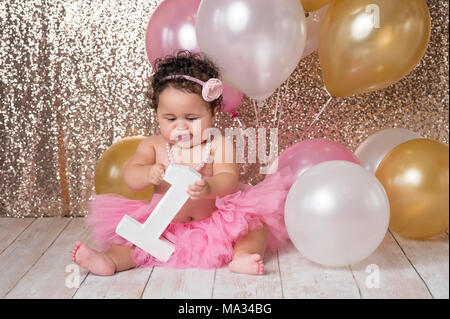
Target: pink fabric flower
column 212, row 90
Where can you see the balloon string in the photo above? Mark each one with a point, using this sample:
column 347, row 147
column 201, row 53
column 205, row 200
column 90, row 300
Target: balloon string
column 256, row 112
column 240, row 124
column 234, row 115
column 281, row 108
column 260, row 107
column 322, row 109
column 276, row 106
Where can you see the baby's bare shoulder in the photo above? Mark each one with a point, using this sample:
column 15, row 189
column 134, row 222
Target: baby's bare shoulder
column 146, row 151
column 153, row 140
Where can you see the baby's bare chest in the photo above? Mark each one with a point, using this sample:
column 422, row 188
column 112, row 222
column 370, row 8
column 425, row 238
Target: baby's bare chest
column 196, row 157
column 192, row 209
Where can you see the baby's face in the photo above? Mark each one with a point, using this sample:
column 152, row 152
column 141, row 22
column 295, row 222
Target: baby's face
column 183, row 117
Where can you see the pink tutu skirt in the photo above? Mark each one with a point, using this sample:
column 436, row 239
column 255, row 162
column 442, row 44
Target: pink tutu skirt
column 202, row 244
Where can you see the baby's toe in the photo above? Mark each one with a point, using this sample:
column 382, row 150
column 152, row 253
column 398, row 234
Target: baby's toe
column 76, row 246
column 75, row 249
column 261, row 268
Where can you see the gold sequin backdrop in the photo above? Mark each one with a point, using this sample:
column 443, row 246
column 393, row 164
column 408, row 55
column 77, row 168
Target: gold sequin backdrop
column 72, row 81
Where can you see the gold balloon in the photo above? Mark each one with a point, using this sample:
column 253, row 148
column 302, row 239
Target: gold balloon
column 415, row 175
column 313, row 5
column 109, row 169
column 367, row 45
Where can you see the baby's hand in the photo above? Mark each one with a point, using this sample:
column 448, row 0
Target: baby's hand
column 199, row 190
column 156, row 173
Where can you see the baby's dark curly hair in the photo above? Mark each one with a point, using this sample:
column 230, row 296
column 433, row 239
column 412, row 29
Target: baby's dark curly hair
column 183, row 62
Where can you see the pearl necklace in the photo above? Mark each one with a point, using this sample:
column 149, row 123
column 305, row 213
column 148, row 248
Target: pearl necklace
column 205, row 155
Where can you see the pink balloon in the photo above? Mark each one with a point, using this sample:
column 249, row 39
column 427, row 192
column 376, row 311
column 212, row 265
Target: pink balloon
column 303, row 155
column 171, row 28
column 232, row 98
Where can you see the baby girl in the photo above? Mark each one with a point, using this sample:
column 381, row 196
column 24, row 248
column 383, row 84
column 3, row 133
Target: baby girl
column 224, row 221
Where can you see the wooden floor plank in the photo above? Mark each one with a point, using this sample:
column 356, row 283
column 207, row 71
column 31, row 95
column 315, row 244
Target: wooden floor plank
column 127, row 284
column 301, row 278
column 431, row 260
column 230, row 285
column 179, row 284
column 53, row 276
column 387, row 273
column 36, row 252
column 10, row 228
column 26, row 250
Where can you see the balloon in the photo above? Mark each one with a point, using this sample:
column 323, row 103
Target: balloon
column 375, row 148
column 109, row 169
column 231, row 98
column 367, row 45
column 171, row 28
column 415, row 175
column 301, row 156
column 256, row 43
column 313, row 5
column 313, row 22
column 336, row 213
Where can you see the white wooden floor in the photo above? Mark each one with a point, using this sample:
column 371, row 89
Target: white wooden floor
column 35, row 262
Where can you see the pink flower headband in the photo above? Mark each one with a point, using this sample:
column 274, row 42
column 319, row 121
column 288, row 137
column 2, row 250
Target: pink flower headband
column 212, row 89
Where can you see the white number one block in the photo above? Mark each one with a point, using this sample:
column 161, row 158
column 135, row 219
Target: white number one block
column 147, row 235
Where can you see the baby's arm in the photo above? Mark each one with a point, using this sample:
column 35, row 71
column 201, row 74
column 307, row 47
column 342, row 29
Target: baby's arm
column 225, row 170
column 141, row 171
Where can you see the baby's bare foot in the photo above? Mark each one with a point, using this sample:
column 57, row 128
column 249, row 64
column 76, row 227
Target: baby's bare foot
column 251, row 264
column 95, row 262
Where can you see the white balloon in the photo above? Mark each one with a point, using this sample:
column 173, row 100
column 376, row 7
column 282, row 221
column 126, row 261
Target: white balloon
column 313, row 22
column 372, row 151
column 336, row 213
column 257, row 44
